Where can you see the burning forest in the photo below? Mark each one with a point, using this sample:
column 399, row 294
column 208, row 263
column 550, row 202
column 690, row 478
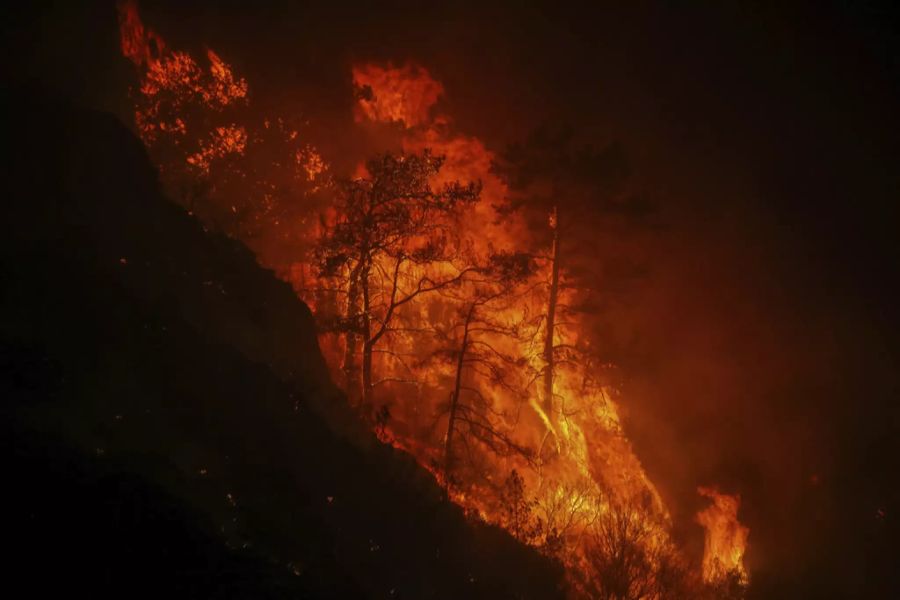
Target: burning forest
column 452, row 285
column 464, row 280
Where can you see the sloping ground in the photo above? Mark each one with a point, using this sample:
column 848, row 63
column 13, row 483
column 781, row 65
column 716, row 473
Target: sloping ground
column 169, row 424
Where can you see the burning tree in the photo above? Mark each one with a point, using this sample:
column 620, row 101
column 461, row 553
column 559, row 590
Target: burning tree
column 391, row 240
column 478, row 342
column 627, row 559
column 248, row 173
column 265, row 194
column 561, row 189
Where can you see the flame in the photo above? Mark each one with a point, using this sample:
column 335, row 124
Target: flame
column 140, row 45
column 403, row 95
column 726, row 537
column 173, row 81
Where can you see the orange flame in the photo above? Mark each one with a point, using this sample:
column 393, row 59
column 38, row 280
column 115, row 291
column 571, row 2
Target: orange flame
column 726, row 538
column 172, row 81
column 404, row 95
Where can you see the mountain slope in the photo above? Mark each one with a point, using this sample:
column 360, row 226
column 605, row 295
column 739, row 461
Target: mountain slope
column 170, row 423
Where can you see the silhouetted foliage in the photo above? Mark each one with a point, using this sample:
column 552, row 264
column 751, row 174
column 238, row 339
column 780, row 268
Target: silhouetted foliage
column 390, row 227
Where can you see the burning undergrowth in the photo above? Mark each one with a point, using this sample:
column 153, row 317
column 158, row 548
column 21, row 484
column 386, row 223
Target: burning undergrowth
column 453, row 287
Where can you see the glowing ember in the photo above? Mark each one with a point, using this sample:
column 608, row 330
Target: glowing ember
column 238, row 173
column 224, row 140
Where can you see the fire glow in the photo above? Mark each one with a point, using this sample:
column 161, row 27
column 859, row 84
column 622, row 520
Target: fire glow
column 445, row 314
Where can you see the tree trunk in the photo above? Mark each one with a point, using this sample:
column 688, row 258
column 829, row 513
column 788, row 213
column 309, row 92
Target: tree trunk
column 368, row 343
column 350, row 366
column 551, row 317
column 454, row 398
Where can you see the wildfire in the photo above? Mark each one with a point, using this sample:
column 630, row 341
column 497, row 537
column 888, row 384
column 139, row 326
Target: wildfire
column 444, row 312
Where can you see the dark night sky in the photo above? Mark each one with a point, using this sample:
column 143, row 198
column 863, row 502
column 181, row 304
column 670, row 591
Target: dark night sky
column 761, row 349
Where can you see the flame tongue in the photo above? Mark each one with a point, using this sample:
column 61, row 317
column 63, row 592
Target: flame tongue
column 140, row 45
column 726, row 538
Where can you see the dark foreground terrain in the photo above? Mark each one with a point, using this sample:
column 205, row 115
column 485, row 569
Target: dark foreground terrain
column 169, row 428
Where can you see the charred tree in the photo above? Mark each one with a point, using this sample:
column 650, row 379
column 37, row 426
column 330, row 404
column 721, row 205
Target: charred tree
column 351, row 365
column 578, row 188
column 391, row 231
column 478, row 356
column 552, row 305
column 624, row 557
column 457, row 388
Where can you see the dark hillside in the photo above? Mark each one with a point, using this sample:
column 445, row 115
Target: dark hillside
column 169, row 427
